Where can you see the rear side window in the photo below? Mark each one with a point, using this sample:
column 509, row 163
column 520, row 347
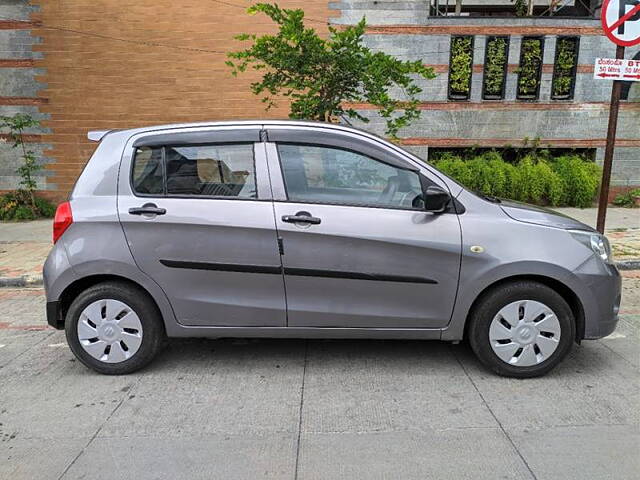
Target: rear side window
column 195, row 170
column 211, row 170
column 330, row 175
column 147, row 177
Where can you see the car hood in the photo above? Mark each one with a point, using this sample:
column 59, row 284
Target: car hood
column 523, row 212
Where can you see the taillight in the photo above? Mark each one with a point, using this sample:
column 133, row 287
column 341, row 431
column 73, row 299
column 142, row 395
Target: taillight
column 62, row 220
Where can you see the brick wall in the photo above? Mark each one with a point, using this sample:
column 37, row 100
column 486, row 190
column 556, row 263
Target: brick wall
column 79, row 82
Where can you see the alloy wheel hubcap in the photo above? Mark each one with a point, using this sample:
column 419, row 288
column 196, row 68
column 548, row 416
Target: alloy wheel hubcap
column 524, row 333
column 110, row 331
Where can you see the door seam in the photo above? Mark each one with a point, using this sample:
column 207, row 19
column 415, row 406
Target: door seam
column 279, row 239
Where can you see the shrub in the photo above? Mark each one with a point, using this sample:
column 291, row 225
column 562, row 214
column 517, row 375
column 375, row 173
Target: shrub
column 566, row 181
column 498, row 177
column 455, row 167
column 580, row 180
column 627, row 199
column 531, row 187
column 553, row 186
column 16, row 206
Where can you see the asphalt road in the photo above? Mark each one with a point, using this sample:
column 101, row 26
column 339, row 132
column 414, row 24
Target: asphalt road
column 236, row 409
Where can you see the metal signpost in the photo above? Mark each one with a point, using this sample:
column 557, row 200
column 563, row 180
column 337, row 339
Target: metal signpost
column 621, row 24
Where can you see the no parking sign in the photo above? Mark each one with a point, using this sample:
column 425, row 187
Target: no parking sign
column 621, row 21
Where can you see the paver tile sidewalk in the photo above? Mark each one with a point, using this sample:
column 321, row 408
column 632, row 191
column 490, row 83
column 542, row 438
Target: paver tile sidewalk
column 22, row 259
column 24, row 246
column 625, row 244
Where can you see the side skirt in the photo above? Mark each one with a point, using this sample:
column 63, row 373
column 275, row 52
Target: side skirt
column 306, row 332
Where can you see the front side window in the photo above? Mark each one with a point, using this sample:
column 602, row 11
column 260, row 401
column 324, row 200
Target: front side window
column 315, row 174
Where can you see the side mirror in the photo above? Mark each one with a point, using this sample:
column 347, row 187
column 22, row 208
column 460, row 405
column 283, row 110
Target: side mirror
column 436, row 199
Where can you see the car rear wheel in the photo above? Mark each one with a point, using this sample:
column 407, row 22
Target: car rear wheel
column 114, row 328
column 521, row 329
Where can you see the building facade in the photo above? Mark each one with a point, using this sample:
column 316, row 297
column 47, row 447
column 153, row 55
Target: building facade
column 82, row 65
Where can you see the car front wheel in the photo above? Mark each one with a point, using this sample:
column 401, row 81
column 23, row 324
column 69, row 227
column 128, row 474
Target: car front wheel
column 521, row 329
column 114, row 328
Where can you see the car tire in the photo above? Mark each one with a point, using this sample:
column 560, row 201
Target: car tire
column 521, row 329
column 114, row 328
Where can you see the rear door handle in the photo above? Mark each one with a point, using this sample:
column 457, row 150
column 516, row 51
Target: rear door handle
column 147, row 209
column 301, row 217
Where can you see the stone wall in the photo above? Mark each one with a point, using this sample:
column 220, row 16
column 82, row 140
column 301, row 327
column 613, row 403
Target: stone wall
column 19, row 87
column 405, row 30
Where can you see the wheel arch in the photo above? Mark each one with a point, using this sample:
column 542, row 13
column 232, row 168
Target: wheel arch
column 561, row 288
column 71, row 292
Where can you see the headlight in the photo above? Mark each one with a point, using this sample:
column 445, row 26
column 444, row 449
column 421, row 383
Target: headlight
column 596, row 242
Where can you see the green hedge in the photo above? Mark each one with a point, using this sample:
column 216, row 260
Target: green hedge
column 568, row 180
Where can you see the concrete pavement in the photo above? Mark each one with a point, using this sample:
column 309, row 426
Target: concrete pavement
column 23, row 248
column 617, row 218
column 295, row 409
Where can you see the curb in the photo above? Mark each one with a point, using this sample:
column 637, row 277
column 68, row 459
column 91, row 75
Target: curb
column 36, row 280
column 628, row 264
column 23, row 281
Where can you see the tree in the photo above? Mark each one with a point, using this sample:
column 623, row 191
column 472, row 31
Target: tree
column 17, row 124
column 320, row 75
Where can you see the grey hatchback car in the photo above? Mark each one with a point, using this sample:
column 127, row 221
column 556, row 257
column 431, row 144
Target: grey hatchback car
column 299, row 229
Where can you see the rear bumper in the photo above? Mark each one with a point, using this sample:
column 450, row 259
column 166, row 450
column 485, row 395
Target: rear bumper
column 57, row 274
column 54, row 315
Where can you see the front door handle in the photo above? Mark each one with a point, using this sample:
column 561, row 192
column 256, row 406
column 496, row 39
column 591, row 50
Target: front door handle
column 301, row 217
column 147, row 209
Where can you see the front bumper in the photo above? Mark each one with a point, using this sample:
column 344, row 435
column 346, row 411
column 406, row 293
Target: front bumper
column 603, row 303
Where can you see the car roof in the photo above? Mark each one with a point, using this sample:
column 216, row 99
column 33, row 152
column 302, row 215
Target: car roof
column 98, row 135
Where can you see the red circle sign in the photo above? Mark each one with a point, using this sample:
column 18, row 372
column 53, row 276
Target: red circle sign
column 621, row 21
